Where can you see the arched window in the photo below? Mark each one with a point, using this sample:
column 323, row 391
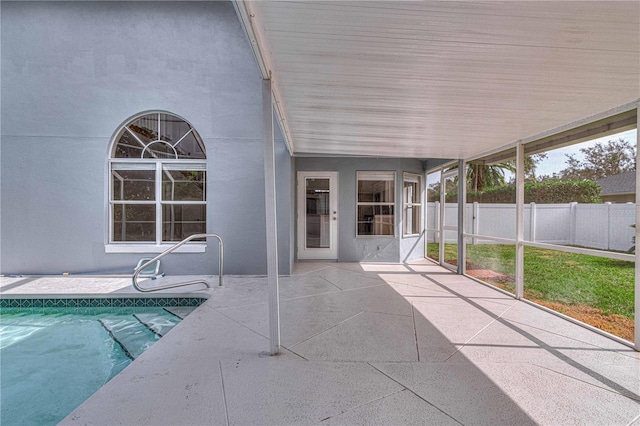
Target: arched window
column 157, row 184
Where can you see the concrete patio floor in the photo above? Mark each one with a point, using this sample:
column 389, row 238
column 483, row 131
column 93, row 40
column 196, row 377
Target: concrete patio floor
column 388, row 344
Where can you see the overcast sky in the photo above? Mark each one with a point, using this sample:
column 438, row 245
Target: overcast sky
column 555, row 160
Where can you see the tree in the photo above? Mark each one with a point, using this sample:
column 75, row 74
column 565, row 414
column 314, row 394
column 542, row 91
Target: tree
column 530, row 165
column 481, row 176
column 600, row 160
column 433, row 192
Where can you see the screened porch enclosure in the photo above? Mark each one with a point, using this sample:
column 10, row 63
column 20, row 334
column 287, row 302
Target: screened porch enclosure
column 533, row 223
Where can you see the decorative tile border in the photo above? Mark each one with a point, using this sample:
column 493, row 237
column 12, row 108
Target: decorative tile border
column 138, row 302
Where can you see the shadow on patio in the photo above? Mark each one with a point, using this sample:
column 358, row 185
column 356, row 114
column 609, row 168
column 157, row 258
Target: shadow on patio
column 373, row 344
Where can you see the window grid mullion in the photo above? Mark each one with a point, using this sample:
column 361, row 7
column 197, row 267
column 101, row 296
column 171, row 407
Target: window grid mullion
column 196, row 203
column 158, row 199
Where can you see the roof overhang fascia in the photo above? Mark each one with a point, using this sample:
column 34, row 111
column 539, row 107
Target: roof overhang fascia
column 260, row 50
column 573, row 132
column 611, row 121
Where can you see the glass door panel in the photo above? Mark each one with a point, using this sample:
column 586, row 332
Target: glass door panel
column 317, row 215
column 318, row 209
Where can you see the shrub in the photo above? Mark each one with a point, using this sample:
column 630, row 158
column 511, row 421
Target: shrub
column 548, row 192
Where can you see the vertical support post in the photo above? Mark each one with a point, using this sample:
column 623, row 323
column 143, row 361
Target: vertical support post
column 608, row 204
column 519, row 221
column 475, row 229
column 573, row 220
column 270, row 214
column 436, row 226
column 533, row 222
column 637, row 283
column 443, row 203
column 462, row 195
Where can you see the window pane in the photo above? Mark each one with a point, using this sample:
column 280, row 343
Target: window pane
column 595, row 290
column 412, row 219
column 411, row 192
column 433, row 186
column 133, row 184
column 134, row 222
column 127, row 146
column 191, row 147
column 492, row 263
column 318, row 213
column 433, row 245
column 491, row 195
column 451, row 202
column 172, row 128
column 376, row 191
column 145, row 128
column 183, row 185
column 159, row 151
column 566, row 204
column 433, row 215
column 376, row 220
column 583, row 194
column 451, row 247
column 182, row 220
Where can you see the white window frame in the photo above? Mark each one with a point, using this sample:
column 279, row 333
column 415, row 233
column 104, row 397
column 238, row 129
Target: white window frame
column 383, row 176
column 158, row 165
column 412, row 178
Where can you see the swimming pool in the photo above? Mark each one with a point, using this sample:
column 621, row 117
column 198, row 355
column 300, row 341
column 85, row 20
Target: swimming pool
column 54, row 358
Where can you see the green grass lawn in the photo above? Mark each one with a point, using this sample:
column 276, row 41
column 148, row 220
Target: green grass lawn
column 557, row 277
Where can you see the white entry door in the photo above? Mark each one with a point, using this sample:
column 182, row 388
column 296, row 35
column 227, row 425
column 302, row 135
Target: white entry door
column 318, row 215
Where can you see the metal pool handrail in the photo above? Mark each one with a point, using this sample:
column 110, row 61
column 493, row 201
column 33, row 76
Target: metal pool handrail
column 138, row 270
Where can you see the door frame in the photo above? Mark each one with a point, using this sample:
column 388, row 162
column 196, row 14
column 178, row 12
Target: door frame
column 302, row 252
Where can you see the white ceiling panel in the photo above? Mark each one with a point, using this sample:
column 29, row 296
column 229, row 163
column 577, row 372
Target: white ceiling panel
column 443, row 79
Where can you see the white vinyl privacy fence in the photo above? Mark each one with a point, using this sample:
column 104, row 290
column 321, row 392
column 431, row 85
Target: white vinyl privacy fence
column 599, row 226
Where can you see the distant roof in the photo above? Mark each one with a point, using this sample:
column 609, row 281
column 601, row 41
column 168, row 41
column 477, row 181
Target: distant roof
column 622, row 183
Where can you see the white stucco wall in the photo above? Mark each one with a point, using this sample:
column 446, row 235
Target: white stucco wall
column 72, row 72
